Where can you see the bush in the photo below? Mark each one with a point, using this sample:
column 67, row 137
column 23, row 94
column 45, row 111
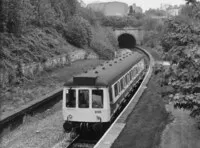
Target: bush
column 15, row 15
column 111, row 38
column 179, row 32
column 78, row 32
column 151, row 39
column 121, row 22
column 181, row 45
column 88, row 15
column 64, row 9
column 102, row 50
column 45, row 15
column 104, row 43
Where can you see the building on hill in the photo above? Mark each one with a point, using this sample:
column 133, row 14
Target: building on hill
column 164, row 7
column 171, row 10
column 82, row 4
column 136, row 9
column 110, row 8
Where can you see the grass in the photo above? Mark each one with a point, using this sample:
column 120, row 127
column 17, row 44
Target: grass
column 42, row 84
column 147, row 121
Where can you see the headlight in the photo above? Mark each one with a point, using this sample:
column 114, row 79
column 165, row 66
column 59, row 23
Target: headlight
column 69, row 117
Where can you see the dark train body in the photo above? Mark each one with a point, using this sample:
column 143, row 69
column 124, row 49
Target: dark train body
column 92, row 98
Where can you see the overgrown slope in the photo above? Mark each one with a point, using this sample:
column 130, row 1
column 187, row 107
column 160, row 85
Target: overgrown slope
column 35, row 30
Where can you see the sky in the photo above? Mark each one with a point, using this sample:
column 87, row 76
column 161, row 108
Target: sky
column 144, row 4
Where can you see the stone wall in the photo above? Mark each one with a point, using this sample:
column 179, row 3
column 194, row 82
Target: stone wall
column 137, row 33
column 31, row 69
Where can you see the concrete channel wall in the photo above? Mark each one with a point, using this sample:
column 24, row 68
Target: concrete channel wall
column 31, row 69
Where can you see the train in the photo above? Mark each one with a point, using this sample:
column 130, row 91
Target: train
column 91, row 99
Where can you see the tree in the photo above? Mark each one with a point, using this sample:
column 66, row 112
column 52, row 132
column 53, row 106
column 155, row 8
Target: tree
column 3, row 15
column 78, row 32
column 182, row 47
column 131, row 11
column 193, row 2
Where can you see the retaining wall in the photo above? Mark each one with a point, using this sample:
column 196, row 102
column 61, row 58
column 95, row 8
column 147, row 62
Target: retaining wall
column 31, row 69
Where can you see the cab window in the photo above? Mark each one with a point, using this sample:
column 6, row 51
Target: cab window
column 83, row 98
column 71, row 98
column 97, row 98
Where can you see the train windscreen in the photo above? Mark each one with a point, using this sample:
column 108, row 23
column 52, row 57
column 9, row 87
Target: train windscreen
column 71, row 98
column 97, row 98
column 83, row 97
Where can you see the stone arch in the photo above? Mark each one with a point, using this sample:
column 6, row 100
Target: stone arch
column 126, row 40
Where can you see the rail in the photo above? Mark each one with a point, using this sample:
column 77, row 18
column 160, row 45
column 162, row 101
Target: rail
column 17, row 117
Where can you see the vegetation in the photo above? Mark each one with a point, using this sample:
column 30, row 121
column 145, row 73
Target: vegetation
column 121, row 22
column 104, row 46
column 181, row 45
column 153, row 31
column 35, row 30
column 78, row 32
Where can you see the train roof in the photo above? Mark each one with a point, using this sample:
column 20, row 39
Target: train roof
column 106, row 73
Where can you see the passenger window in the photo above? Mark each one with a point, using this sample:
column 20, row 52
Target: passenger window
column 71, row 98
column 130, row 76
column 126, row 79
column 139, row 68
column 83, row 96
column 97, row 98
column 119, row 87
column 122, row 84
column 116, row 89
column 134, row 72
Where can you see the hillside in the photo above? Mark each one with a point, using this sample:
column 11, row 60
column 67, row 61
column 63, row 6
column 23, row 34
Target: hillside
column 36, row 31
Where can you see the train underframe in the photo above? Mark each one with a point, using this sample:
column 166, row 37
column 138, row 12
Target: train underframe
column 83, row 128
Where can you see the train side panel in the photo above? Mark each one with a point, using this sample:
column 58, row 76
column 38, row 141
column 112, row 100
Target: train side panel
column 118, row 98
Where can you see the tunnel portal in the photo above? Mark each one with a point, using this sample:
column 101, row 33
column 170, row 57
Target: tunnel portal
column 126, row 41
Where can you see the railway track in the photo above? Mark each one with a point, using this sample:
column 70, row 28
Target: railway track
column 88, row 141
column 79, row 142
column 17, row 118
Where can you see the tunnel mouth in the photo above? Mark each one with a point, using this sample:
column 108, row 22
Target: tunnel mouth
column 126, row 41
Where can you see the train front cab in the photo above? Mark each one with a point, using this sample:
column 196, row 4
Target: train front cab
column 86, row 105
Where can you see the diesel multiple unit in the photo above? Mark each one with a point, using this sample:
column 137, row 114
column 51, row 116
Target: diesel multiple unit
column 91, row 99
